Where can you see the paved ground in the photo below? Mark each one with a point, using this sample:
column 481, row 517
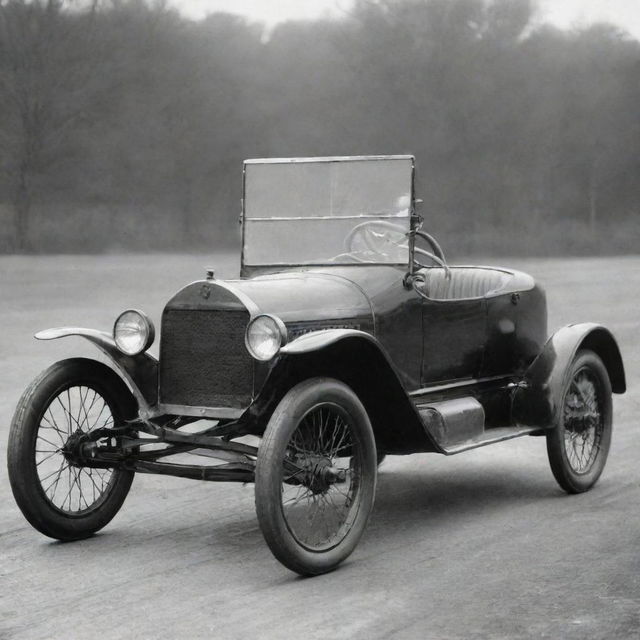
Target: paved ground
column 481, row 545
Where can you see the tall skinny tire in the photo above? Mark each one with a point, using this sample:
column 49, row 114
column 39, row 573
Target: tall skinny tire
column 60, row 498
column 579, row 444
column 316, row 476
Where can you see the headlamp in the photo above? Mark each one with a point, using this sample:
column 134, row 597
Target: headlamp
column 133, row 332
column 264, row 337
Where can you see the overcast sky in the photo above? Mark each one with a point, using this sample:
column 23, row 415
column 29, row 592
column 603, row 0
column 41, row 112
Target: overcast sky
column 563, row 13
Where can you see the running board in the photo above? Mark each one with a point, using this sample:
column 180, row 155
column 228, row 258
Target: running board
column 458, row 425
column 491, row 436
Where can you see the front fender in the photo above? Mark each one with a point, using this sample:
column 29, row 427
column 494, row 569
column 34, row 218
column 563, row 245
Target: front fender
column 317, row 340
column 139, row 372
column 537, row 401
column 357, row 359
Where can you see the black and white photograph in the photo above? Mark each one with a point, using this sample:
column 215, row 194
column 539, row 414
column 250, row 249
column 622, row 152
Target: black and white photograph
column 319, row 319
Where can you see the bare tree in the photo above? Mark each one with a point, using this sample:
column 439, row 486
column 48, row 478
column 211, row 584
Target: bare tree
column 47, row 60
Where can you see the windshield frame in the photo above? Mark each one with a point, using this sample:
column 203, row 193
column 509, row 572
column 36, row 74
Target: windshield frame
column 246, row 269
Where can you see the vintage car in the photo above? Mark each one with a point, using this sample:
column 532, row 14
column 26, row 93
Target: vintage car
column 347, row 337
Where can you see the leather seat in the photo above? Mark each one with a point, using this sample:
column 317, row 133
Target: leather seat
column 465, row 282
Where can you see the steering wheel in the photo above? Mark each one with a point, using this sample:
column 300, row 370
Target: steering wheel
column 437, row 256
column 378, row 236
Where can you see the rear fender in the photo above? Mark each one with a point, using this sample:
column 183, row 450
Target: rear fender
column 357, row 359
column 538, row 399
column 139, row 372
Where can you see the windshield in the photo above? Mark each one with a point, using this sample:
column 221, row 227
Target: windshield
column 327, row 210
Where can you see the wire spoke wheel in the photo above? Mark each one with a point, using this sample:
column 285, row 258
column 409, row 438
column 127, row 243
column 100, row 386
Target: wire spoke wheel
column 321, row 499
column 583, row 422
column 579, row 445
column 58, row 494
column 72, row 489
column 315, row 476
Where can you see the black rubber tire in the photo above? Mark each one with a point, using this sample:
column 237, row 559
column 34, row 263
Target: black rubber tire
column 21, row 459
column 565, row 475
column 300, row 400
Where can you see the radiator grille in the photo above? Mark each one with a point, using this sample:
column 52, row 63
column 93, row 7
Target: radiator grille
column 203, row 359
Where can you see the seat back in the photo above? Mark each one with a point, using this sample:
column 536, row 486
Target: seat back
column 465, row 282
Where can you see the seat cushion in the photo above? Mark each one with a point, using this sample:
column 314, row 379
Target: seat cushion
column 465, row 282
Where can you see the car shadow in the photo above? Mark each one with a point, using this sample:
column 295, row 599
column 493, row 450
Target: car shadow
column 406, row 493
column 410, row 502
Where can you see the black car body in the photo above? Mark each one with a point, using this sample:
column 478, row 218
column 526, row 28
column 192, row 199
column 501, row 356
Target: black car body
column 412, row 357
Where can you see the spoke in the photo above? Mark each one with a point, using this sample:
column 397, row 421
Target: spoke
column 68, row 415
column 83, row 408
column 329, row 496
column 48, row 442
column 66, row 466
column 54, row 484
column 80, row 486
column 95, row 422
column 342, row 493
column 61, row 434
column 69, row 492
column 333, row 435
column 93, row 482
column 78, row 393
column 343, row 448
column 96, row 395
column 293, row 475
column 74, row 483
column 53, row 453
column 57, row 479
column 339, row 445
column 325, row 425
column 53, row 423
column 298, row 496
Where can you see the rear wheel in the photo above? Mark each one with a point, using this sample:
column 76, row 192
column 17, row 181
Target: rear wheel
column 57, row 495
column 316, row 476
column 579, row 445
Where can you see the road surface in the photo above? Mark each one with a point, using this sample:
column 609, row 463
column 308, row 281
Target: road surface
column 480, row 545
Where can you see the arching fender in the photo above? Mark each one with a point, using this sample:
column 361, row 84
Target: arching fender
column 537, row 401
column 357, row 359
column 139, row 372
column 316, row 340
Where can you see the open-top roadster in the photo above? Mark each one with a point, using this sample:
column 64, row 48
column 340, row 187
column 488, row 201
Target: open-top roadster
column 346, row 338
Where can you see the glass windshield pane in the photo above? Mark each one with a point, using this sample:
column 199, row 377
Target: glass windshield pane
column 327, row 211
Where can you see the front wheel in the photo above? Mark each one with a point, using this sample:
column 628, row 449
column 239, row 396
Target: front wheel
column 316, row 476
column 57, row 495
column 579, row 444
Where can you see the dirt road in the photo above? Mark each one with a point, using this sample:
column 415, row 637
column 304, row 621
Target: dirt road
column 480, row 545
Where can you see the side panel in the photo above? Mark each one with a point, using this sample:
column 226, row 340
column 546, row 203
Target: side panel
column 516, row 331
column 538, row 400
column 454, row 339
column 398, row 316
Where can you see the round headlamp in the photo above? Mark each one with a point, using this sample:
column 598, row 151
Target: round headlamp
column 133, row 332
column 265, row 335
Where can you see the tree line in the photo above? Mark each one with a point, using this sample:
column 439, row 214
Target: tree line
column 123, row 125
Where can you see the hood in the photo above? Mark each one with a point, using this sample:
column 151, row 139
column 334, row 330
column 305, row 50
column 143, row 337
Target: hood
column 321, row 296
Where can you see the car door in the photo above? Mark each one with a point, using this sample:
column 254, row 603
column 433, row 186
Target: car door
column 454, row 338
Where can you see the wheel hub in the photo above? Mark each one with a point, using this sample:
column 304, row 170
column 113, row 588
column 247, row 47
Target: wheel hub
column 319, row 474
column 579, row 416
column 73, row 447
